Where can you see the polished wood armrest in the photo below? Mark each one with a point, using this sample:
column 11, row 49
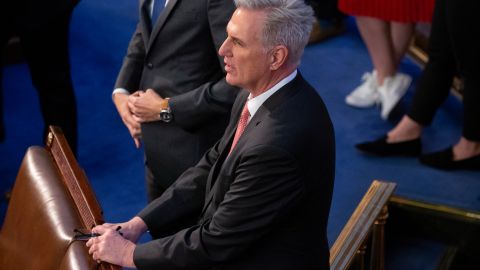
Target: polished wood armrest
column 370, row 212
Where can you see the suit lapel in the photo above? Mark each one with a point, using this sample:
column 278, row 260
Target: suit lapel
column 282, row 95
column 224, row 152
column 161, row 21
column 226, row 149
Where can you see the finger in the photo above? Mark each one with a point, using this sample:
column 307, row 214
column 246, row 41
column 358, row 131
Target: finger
column 92, row 248
column 89, row 243
column 95, row 256
column 131, row 105
column 137, row 93
column 109, row 225
column 95, row 229
column 138, row 119
column 127, row 117
column 136, row 132
column 100, row 229
column 132, row 123
column 138, row 144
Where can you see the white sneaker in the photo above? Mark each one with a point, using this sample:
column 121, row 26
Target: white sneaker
column 365, row 95
column 391, row 91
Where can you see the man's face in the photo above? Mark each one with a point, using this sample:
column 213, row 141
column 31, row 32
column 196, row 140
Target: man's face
column 246, row 60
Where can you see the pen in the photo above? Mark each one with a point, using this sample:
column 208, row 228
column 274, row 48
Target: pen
column 85, row 236
column 118, row 230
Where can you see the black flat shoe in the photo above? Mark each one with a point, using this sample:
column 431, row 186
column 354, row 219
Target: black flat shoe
column 444, row 160
column 380, row 147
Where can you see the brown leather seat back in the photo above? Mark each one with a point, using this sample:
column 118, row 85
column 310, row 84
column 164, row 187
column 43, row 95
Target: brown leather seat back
column 40, row 218
column 51, row 197
column 74, row 259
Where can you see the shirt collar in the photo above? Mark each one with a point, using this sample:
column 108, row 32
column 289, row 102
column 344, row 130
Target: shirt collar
column 255, row 103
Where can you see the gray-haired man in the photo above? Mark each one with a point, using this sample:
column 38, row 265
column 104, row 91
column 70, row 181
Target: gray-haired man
column 262, row 194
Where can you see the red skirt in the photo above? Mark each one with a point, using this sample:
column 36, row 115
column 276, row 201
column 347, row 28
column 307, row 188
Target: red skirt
column 390, row 10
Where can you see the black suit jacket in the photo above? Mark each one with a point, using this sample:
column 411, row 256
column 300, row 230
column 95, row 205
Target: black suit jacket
column 265, row 206
column 34, row 14
column 179, row 60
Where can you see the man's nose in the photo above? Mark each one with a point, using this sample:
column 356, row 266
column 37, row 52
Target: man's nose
column 224, row 48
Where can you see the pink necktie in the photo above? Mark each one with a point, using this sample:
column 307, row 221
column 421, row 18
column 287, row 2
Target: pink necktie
column 242, row 123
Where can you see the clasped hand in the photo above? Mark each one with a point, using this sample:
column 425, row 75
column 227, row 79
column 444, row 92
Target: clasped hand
column 115, row 245
column 145, row 106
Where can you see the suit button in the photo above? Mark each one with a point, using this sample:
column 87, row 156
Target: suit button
column 150, row 65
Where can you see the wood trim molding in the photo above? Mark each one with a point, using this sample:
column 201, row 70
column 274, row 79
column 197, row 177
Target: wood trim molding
column 360, row 224
column 76, row 182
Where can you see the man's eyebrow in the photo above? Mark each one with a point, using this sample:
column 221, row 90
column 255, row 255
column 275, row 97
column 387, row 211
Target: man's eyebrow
column 237, row 39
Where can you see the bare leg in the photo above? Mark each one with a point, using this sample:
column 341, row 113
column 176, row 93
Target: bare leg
column 407, row 129
column 401, row 34
column 376, row 35
column 465, row 149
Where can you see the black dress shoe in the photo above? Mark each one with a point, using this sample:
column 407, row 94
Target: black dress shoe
column 444, row 160
column 380, row 147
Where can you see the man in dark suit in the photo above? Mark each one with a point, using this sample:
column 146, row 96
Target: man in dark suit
column 262, row 194
column 171, row 91
column 43, row 28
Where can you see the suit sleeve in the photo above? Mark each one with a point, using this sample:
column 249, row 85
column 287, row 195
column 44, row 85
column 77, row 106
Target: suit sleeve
column 193, row 108
column 182, row 202
column 132, row 67
column 267, row 186
column 186, row 196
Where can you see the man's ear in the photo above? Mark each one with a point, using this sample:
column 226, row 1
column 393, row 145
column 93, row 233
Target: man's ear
column 278, row 56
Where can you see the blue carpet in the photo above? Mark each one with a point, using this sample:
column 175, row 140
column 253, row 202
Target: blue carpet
column 414, row 254
column 100, row 32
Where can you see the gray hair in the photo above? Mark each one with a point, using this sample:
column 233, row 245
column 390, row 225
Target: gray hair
column 287, row 22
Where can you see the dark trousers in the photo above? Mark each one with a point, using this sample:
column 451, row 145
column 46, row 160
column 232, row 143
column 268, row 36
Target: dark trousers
column 154, row 188
column 46, row 51
column 452, row 47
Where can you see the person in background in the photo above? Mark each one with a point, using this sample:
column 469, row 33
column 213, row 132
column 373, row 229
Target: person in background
column 171, row 92
column 386, row 28
column 330, row 21
column 43, row 29
column 262, row 194
column 451, row 49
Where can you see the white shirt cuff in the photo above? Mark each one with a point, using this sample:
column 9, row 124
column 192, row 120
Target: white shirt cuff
column 120, row 91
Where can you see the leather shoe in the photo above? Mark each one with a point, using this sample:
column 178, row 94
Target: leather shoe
column 444, row 160
column 380, row 147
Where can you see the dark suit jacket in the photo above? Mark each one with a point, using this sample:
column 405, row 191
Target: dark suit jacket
column 265, row 206
column 179, row 60
column 36, row 14
column 43, row 29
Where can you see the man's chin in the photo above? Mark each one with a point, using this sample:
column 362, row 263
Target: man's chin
column 230, row 80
